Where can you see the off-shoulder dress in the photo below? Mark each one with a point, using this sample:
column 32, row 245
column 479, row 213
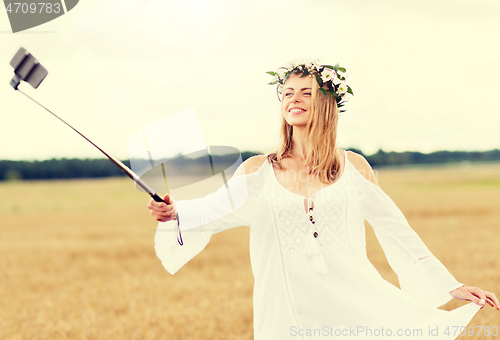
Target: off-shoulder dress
column 313, row 279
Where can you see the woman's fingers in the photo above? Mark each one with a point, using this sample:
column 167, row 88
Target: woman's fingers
column 152, row 203
column 163, row 211
column 478, row 295
column 481, row 297
column 492, row 300
column 167, row 199
column 160, row 205
column 161, row 216
column 473, row 294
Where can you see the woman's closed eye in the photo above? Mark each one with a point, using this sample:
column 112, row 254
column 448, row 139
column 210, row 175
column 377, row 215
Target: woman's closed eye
column 289, row 94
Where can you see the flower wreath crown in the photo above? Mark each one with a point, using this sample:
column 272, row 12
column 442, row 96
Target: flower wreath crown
column 333, row 76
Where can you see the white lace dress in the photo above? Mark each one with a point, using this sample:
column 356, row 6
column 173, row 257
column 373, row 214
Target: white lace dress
column 314, row 280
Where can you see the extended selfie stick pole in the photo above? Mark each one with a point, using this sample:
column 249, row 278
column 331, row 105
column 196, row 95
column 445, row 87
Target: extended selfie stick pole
column 122, row 166
column 28, row 69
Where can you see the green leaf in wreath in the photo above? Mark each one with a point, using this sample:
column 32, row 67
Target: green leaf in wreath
column 319, row 80
column 334, row 94
column 324, row 92
column 349, row 90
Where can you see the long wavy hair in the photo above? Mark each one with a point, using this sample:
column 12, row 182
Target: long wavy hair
column 321, row 141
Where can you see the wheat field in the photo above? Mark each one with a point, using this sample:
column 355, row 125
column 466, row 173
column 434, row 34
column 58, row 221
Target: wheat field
column 77, row 258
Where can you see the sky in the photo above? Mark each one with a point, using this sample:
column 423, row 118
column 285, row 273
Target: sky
column 424, row 73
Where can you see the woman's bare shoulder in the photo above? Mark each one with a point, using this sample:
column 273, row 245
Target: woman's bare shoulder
column 251, row 165
column 362, row 165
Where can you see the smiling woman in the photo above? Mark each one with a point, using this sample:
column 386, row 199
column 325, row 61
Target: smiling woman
column 296, row 102
column 306, row 206
column 309, row 124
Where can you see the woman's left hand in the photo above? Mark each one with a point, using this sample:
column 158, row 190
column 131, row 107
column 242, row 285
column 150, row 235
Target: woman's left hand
column 476, row 295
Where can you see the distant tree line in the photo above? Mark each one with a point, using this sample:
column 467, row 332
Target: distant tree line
column 59, row 168
column 87, row 168
column 382, row 158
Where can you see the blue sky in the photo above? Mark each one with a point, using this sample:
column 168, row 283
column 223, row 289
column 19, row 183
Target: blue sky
column 424, row 73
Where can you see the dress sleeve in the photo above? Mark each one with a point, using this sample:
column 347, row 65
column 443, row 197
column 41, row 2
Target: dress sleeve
column 420, row 273
column 200, row 218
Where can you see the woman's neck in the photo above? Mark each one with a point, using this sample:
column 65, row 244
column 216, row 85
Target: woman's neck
column 299, row 152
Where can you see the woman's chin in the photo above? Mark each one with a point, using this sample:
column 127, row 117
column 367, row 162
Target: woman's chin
column 298, row 124
column 296, row 120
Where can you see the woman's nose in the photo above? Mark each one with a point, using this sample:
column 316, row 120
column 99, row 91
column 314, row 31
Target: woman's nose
column 295, row 98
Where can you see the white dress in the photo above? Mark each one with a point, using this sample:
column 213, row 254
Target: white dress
column 322, row 287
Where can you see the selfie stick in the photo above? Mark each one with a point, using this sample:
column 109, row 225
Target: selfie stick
column 28, row 69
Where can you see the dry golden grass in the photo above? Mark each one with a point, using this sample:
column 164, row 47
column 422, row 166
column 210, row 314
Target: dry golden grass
column 77, row 257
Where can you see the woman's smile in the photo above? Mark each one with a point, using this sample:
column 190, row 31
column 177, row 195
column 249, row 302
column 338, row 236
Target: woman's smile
column 296, row 101
column 296, row 110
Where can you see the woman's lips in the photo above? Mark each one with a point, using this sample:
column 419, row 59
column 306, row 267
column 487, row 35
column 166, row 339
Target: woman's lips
column 296, row 110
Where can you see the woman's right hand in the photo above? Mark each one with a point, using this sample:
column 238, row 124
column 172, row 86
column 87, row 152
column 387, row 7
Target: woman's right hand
column 163, row 212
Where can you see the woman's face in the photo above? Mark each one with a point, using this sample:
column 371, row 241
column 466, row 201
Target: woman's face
column 296, row 102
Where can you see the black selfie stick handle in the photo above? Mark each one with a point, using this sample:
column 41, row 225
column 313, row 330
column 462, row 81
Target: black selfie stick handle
column 157, row 198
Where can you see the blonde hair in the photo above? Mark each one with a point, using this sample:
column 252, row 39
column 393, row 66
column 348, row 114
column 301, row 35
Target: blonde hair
column 321, row 141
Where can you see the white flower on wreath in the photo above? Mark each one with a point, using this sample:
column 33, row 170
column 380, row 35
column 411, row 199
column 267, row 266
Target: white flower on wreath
column 303, row 64
column 342, row 88
column 336, row 80
column 312, row 65
column 327, row 75
column 343, row 75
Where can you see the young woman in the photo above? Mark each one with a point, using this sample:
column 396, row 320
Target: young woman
column 306, row 205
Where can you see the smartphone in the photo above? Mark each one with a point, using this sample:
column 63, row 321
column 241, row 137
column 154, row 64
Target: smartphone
column 27, row 68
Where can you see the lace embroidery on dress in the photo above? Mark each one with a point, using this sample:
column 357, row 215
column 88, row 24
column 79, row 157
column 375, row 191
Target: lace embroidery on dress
column 293, row 221
column 330, row 215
